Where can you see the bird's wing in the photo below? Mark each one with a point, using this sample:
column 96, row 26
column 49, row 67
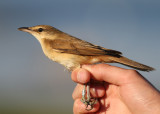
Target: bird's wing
column 80, row 47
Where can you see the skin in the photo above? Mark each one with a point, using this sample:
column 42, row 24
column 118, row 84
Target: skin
column 123, row 91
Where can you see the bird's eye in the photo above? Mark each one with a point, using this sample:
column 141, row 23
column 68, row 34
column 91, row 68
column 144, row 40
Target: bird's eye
column 40, row 29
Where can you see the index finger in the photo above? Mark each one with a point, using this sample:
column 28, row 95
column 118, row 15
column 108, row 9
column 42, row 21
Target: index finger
column 111, row 74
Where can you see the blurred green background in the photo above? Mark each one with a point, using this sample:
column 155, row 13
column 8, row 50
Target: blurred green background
column 30, row 83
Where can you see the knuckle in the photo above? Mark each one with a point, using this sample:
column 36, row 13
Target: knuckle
column 129, row 77
column 74, row 93
column 130, row 74
column 73, row 97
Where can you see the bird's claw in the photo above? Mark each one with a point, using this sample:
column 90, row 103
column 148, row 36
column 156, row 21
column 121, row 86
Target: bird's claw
column 89, row 103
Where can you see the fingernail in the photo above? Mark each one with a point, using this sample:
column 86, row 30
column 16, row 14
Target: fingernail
column 80, row 75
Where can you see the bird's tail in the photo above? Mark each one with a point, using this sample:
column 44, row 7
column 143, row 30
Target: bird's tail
column 130, row 63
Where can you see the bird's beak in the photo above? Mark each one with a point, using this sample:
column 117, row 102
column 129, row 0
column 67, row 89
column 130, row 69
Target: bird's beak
column 25, row 29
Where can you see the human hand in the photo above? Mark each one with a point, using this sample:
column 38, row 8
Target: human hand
column 123, row 91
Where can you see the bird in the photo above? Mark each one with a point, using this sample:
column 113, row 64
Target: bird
column 73, row 52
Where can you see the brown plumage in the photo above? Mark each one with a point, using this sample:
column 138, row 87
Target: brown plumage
column 73, row 52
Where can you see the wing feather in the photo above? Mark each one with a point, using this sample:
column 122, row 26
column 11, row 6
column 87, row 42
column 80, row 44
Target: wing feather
column 79, row 47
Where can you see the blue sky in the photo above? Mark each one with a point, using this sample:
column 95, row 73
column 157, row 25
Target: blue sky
column 30, row 79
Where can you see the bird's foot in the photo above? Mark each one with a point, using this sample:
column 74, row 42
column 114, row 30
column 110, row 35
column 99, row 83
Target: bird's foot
column 89, row 102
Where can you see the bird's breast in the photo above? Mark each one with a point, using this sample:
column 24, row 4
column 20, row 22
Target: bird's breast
column 70, row 61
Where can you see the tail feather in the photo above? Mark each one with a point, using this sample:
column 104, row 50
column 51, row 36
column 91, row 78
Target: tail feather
column 131, row 63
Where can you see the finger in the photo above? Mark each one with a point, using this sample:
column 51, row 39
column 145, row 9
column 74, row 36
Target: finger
column 80, row 108
column 110, row 74
column 81, row 76
column 96, row 91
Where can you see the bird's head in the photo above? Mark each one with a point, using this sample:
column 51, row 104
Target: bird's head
column 41, row 31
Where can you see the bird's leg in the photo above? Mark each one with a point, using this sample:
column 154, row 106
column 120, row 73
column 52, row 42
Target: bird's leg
column 83, row 99
column 88, row 92
column 89, row 102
